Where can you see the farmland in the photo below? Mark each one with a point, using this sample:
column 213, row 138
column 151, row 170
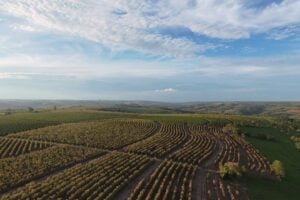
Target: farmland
column 103, row 155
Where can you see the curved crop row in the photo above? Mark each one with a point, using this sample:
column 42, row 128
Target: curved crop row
column 168, row 138
column 205, row 129
column 169, row 181
column 198, row 148
column 256, row 161
column 13, row 147
column 229, row 150
column 104, row 134
column 24, row 168
column 99, row 179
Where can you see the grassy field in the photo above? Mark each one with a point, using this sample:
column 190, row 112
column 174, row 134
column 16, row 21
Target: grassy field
column 281, row 149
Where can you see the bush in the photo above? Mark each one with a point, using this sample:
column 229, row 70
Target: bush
column 296, row 140
column 278, row 169
column 230, row 128
column 231, row 170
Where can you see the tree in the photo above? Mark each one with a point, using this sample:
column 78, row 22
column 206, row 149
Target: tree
column 30, row 109
column 251, row 109
column 8, row 112
column 278, row 169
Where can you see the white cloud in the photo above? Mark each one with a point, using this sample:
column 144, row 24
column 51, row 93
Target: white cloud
column 121, row 25
column 80, row 67
column 282, row 33
column 10, row 75
column 24, row 27
column 166, row 90
column 85, row 68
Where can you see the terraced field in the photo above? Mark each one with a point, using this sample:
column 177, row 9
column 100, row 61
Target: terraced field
column 125, row 159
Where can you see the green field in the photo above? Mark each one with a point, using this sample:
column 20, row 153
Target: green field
column 281, row 149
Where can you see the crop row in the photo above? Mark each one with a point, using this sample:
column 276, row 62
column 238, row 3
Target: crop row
column 169, row 181
column 13, row 147
column 21, row 169
column 23, row 121
column 205, row 129
column 104, row 134
column 230, row 151
column 99, row 179
column 233, row 148
column 216, row 188
column 256, row 161
column 167, row 139
column 198, row 148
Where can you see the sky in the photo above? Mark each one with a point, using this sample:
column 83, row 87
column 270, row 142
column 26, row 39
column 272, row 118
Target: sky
column 158, row 50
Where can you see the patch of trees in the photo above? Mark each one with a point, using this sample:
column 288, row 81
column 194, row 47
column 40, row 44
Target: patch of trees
column 261, row 136
column 8, row 112
column 30, row 109
column 251, row 109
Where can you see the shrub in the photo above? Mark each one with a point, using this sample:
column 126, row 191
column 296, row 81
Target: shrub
column 230, row 128
column 231, row 170
column 278, row 169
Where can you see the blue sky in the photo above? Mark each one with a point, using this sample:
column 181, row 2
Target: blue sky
column 167, row 50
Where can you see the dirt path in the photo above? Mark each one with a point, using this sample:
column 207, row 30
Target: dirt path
column 243, row 156
column 209, row 163
column 125, row 192
column 199, row 185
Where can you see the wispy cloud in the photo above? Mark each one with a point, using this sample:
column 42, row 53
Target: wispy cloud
column 121, row 25
column 285, row 32
column 82, row 67
column 166, row 90
column 10, row 75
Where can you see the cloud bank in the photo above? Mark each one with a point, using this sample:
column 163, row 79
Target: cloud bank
column 150, row 49
column 135, row 24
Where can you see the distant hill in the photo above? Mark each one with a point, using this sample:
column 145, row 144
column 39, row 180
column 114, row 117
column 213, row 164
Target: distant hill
column 284, row 109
